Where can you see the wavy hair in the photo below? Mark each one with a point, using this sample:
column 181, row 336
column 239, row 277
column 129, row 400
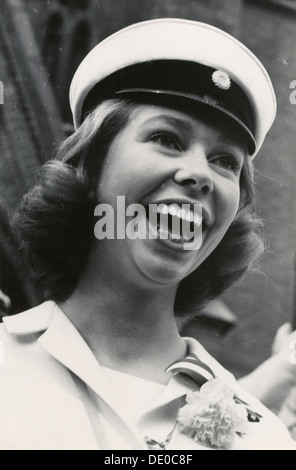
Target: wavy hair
column 55, row 220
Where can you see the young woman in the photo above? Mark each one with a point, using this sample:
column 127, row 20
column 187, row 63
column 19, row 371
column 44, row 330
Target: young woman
column 169, row 115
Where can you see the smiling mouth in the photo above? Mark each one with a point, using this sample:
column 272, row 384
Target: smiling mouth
column 178, row 223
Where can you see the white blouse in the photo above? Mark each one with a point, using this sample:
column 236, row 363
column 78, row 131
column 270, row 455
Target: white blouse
column 54, row 395
column 150, row 406
column 136, row 394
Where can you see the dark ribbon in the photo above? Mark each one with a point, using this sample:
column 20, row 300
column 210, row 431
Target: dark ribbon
column 193, row 367
column 201, row 373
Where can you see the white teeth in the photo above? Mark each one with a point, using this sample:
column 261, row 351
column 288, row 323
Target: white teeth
column 177, row 211
column 173, row 210
column 197, row 219
column 164, row 234
column 175, row 237
column 190, row 217
column 184, row 214
column 187, row 238
column 163, row 209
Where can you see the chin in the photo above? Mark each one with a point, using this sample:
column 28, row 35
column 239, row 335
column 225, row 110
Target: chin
column 164, row 272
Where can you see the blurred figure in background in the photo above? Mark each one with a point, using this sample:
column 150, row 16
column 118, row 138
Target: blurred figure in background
column 5, row 305
column 274, row 381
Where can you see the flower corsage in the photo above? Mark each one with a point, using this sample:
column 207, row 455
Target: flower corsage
column 212, row 416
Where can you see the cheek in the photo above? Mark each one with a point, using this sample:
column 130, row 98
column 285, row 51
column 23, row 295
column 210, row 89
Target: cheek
column 133, row 173
column 116, row 175
column 228, row 201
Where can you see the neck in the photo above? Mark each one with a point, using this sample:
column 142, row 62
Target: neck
column 128, row 329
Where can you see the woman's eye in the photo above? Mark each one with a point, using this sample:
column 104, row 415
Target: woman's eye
column 229, row 162
column 166, row 140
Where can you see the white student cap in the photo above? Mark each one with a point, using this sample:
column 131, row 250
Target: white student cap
column 192, row 61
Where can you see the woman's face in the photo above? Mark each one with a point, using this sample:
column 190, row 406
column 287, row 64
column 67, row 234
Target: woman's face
column 166, row 156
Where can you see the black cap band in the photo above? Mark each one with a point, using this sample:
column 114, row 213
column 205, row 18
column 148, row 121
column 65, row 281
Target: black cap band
column 186, row 80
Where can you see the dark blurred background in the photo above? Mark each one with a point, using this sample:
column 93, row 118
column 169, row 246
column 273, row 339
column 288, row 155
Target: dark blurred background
column 41, row 44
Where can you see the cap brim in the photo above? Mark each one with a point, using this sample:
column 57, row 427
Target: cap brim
column 202, row 100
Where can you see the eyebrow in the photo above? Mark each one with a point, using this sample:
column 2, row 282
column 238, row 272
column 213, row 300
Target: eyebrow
column 187, row 126
column 177, row 122
column 230, row 139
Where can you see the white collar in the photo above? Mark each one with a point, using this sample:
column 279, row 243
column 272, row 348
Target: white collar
column 32, row 321
column 49, row 318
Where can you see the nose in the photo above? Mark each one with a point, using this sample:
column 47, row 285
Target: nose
column 194, row 172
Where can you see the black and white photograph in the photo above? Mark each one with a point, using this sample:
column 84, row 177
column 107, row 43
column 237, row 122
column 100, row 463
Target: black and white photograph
column 147, row 227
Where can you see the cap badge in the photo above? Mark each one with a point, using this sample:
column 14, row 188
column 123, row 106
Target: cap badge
column 221, row 80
